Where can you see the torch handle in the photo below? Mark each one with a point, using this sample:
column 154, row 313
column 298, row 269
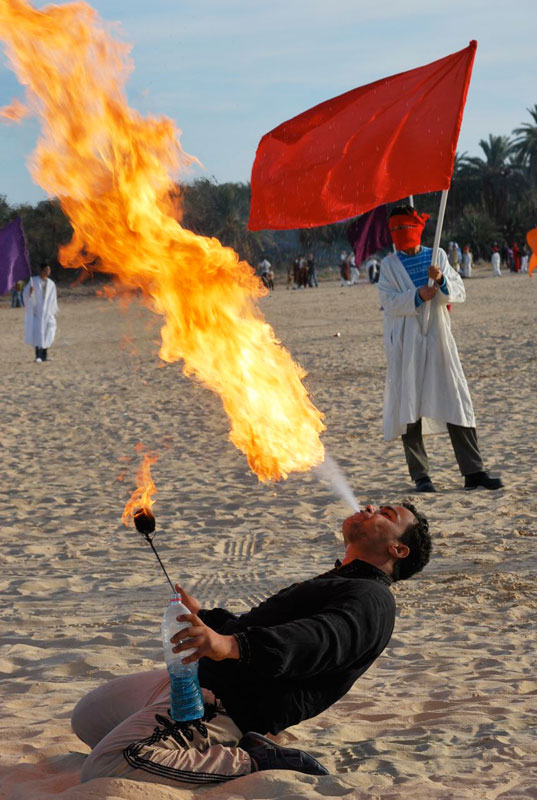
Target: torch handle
column 160, row 562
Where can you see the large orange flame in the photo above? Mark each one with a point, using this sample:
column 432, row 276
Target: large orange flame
column 111, row 170
column 142, row 497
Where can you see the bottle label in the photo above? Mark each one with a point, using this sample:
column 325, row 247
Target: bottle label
column 175, row 598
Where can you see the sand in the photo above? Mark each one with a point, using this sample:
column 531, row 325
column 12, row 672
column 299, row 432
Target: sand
column 448, row 711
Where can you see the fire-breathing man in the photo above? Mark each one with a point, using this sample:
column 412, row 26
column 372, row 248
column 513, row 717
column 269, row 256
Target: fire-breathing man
column 282, row 662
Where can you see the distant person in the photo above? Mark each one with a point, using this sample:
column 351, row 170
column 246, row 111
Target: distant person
column 270, row 279
column 516, row 257
column 291, row 277
column 426, row 390
column 524, row 261
column 264, row 269
column 296, row 272
column 312, row 272
column 344, row 269
column 467, row 262
column 372, row 268
column 17, row 300
column 354, row 272
column 453, row 256
column 496, row 262
column 41, row 304
column 302, row 272
column 510, row 259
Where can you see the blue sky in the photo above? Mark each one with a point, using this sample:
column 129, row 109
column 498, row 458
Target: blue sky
column 228, row 71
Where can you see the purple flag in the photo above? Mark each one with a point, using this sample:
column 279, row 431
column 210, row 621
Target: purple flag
column 14, row 262
column 369, row 233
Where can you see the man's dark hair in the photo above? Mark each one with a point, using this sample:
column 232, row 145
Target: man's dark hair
column 418, row 540
column 410, row 210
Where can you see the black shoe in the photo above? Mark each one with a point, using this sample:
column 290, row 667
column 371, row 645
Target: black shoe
column 424, row 484
column 482, row 479
column 266, row 754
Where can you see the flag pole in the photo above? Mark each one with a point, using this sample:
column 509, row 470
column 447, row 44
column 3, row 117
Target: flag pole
column 436, row 245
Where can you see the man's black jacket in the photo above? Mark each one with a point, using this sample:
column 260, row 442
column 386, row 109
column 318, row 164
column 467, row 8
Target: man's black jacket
column 303, row 648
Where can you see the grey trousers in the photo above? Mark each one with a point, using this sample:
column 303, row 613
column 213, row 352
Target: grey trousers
column 463, row 440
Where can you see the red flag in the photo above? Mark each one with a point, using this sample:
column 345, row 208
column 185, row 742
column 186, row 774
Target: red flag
column 375, row 144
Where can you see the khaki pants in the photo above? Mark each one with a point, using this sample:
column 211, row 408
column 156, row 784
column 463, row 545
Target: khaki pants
column 128, row 725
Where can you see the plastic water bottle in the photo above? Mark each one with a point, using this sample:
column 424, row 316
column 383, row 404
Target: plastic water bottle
column 186, row 699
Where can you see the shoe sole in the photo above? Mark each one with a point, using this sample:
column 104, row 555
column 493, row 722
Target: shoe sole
column 488, row 488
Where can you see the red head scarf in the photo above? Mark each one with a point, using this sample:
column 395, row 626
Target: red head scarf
column 406, row 229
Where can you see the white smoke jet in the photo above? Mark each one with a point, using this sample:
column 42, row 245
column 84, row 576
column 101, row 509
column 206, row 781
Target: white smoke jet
column 328, row 472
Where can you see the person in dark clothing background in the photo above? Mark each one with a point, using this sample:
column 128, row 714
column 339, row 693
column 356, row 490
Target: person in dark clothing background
column 284, row 661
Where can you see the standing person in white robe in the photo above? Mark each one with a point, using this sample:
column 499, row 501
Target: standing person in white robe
column 496, row 262
column 41, row 304
column 467, row 262
column 453, row 256
column 354, row 271
column 426, row 390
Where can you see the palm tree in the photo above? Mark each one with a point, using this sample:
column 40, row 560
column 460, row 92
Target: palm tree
column 221, row 210
column 474, row 227
column 46, row 228
column 525, row 145
column 495, row 173
column 465, row 188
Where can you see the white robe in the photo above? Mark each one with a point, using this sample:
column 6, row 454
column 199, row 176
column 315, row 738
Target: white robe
column 424, row 377
column 495, row 261
column 40, row 320
column 467, row 261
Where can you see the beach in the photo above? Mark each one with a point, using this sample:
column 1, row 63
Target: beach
column 448, row 710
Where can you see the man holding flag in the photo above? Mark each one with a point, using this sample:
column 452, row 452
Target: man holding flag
column 426, row 390
column 393, row 138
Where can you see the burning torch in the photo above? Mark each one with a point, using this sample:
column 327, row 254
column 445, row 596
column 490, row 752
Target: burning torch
column 186, row 696
column 139, row 506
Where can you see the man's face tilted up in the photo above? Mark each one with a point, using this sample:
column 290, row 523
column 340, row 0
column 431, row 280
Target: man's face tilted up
column 374, row 534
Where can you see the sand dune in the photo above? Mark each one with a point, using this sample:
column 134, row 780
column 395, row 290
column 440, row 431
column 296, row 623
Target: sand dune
column 448, row 711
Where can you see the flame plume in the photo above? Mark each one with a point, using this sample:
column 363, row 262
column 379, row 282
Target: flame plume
column 142, row 497
column 111, row 170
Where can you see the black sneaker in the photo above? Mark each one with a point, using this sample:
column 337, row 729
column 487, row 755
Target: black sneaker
column 482, row 479
column 266, row 754
column 424, row 484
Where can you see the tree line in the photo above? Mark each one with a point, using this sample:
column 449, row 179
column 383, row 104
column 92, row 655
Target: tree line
column 492, row 200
